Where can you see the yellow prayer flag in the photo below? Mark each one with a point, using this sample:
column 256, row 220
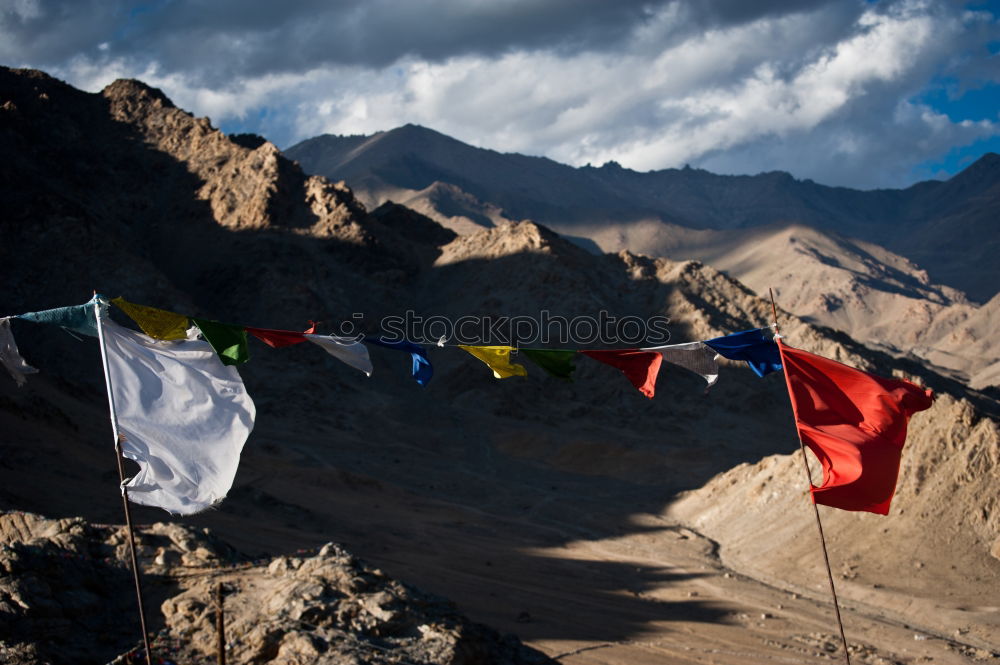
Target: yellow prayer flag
column 497, row 358
column 158, row 323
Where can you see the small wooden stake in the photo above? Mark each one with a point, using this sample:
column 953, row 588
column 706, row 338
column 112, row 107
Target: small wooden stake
column 220, row 623
column 819, row 524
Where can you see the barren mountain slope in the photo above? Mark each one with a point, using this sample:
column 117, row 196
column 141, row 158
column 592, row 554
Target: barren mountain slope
column 882, row 299
column 952, row 228
column 950, row 453
column 540, row 506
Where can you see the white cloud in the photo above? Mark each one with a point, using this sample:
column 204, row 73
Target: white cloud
column 739, row 96
column 25, row 10
column 766, row 104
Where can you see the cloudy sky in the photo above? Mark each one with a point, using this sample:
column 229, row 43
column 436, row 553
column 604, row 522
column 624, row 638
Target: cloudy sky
column 846, row 92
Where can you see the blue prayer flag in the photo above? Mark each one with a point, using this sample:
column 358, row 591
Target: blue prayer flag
column 78, row 318
column 421, row 370
column 760, row 353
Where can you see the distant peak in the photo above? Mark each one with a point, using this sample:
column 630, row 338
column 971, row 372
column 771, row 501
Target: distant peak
column 989, row 160
column 407, row 130
column 131, row 88
column 410, row 129
column 986, row 167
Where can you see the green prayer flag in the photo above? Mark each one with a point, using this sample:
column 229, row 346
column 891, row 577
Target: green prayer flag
column 229, row 341
column 557, row 362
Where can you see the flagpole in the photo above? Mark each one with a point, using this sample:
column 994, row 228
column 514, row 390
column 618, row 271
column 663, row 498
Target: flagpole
column 819, row 523
column 121, row 477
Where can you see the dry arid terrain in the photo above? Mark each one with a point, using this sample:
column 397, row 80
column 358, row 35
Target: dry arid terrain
column 878, row 297
column 579, row 521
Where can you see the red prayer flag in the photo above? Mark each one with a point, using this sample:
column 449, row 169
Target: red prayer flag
column 279, row 338
column 641, row 367
column 855, row 423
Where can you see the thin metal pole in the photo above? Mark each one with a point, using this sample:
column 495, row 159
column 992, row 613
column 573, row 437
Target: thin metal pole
column 220, row 624
column 774, row 311
column 121, row 478
column 819, row 523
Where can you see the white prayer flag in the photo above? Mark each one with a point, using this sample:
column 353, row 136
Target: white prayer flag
column 345, row 349
column 693, row 356
column 10, row 357
column 184, row 417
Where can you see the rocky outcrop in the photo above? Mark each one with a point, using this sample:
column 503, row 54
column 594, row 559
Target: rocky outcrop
column 247, row 188
column 66, row 596
column 66, row 590
column 331, row 608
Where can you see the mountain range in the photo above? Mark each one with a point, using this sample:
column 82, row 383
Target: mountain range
column 594, row 524
column 919, row 222
column 903, row 270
